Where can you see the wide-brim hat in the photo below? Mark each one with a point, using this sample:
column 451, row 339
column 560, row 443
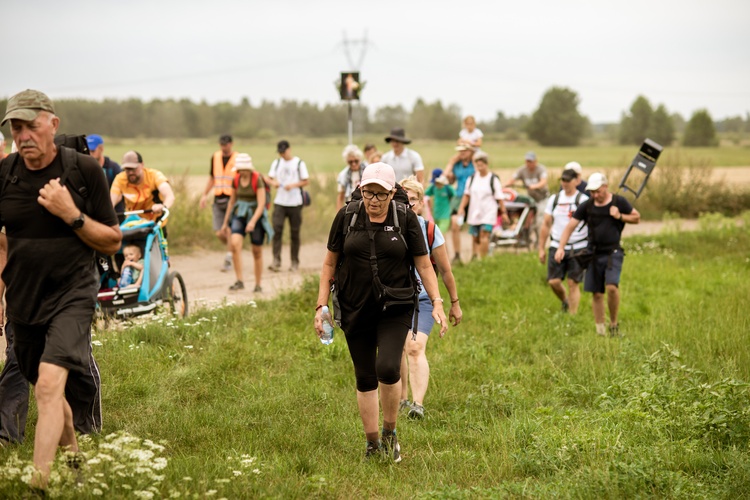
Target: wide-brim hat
column 398, row 135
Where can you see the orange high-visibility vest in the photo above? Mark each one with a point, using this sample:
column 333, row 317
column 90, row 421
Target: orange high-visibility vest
column 223, row 175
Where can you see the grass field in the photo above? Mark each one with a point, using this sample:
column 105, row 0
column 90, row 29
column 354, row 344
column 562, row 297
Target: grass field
column 524, row 402
column 324, row 155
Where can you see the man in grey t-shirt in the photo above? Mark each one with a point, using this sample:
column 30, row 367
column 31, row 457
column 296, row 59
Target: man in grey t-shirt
column 533, row 175
column 405, row 161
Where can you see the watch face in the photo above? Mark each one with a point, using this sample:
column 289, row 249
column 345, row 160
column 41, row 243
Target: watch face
column 77, row 222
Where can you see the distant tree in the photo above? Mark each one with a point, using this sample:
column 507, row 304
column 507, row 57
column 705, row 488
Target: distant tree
column 679, row 122
column 557, row 121
column 700, row 130
column 388, row 117
column 732, row 124
column 501, row 122
column 634, row 126
column 434, row 121
column 661, row 128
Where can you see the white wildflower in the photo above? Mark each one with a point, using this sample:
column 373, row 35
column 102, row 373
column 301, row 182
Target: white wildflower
column 237, row 473
column 96, row 343
column 159, row 463
column 97, row 492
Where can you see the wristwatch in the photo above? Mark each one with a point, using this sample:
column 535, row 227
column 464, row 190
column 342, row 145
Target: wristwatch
column 78, row 222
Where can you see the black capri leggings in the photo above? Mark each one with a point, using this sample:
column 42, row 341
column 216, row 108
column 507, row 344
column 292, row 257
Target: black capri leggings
column 376, row 347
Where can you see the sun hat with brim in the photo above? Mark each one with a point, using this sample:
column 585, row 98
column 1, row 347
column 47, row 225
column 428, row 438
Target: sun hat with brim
column 596, row 181
column 243, row 162
column 379, row 173
column 568, row 175
column 464, row 147
column 131, row 159
column 26, row 106
column 398, row 135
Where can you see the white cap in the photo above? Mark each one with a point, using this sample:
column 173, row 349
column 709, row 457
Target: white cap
column 596, row 181
column 574, row 165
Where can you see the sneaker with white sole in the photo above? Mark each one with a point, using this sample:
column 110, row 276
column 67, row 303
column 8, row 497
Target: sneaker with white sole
column 390, row 444
column 404, row 405
column 416, row 412
column 227, row 266
column 614, row 330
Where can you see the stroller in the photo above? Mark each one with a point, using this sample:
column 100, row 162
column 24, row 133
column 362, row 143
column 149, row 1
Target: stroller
column 159, row 286
column 522, row 231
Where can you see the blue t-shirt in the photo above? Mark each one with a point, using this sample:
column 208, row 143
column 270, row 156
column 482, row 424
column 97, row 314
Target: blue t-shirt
column 439, row 240
column 462, row 173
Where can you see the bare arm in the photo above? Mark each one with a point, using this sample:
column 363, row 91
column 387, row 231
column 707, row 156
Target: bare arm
column 633, row 217
column 440, row 254
column 115, row 198
column 464, row 203
column 543, row 235
column 58, row 201
column 539, row 185
column 430, row 283
column 261, row 199
column 324, row 285
column 206, row 191
column 420, row 176
column 230, row 208
column 560, row 253
column 167, row 195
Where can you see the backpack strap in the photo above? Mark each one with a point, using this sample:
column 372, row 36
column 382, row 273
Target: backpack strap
column 73, row 177
column 557, row 198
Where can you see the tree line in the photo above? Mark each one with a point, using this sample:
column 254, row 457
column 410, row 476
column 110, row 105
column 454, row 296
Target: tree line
column 556, row 122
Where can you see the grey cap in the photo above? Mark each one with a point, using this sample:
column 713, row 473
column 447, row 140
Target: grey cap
column 26, row 106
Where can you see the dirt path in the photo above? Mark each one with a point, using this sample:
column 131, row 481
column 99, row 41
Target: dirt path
column 207, row 286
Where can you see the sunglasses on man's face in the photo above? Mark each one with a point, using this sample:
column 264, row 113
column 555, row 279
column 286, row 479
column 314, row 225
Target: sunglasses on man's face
column 352, row 162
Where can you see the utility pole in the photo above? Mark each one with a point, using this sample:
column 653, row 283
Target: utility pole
column 349, row 44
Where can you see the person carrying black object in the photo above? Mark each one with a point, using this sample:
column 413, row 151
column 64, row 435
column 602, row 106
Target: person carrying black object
column 50, row 272
column 375, row 332
column 606, row 215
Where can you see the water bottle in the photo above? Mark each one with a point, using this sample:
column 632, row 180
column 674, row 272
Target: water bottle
column 126, row 277
column 325, row 316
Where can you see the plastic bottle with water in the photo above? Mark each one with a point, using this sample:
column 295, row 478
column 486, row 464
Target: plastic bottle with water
column 126, row 278
column 325, row 316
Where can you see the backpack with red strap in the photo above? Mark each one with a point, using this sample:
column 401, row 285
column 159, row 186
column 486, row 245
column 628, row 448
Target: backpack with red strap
column 254, row 183
column 429, row 228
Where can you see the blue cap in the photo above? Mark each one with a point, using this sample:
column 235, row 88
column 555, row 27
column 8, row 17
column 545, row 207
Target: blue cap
column 436, row 173
column 94, row 141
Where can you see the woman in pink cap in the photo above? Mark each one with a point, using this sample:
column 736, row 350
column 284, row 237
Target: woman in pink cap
column 376, row 328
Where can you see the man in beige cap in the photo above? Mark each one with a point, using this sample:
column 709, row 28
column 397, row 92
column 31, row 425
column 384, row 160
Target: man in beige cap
column 50, row 273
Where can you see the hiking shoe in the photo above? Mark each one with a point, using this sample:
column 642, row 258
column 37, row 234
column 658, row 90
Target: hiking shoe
column 614, row 330
column 404, row 405
column 257, row 289
column 373, row 449
column 390, row 444
column 565, row 306
column 227, row 266
column 601, row 329
column 294, row 267
column 416, row 412
column 275, row 267
column 238, row 285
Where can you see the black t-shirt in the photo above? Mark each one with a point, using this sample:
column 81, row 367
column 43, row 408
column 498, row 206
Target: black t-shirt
column 354, row 278
column 604, row 230
column 49, row 268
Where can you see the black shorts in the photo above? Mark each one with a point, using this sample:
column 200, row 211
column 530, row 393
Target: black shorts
column 238, row 227
column 65, row 341
column 568, row 267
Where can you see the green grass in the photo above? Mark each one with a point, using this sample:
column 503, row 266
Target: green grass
column 523, row 401
column 324, row 155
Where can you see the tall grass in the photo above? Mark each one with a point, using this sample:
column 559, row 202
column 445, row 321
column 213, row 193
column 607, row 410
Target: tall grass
column 523, row 401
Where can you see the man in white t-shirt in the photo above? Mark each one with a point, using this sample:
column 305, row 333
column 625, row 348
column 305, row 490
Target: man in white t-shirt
column 558, row 212
column 289, row 175
column 405, row 162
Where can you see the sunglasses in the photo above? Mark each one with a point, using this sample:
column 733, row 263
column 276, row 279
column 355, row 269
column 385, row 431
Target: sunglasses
column 382, row 196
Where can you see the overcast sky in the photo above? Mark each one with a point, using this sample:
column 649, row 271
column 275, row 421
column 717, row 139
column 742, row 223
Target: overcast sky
column 485, row 56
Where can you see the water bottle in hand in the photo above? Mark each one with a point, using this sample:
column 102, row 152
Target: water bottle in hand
column 325, row 316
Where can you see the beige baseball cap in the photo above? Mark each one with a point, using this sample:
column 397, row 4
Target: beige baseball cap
column 26, row 106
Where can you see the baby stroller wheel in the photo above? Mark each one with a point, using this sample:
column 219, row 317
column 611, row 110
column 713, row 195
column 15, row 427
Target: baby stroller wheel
column 175, row 295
